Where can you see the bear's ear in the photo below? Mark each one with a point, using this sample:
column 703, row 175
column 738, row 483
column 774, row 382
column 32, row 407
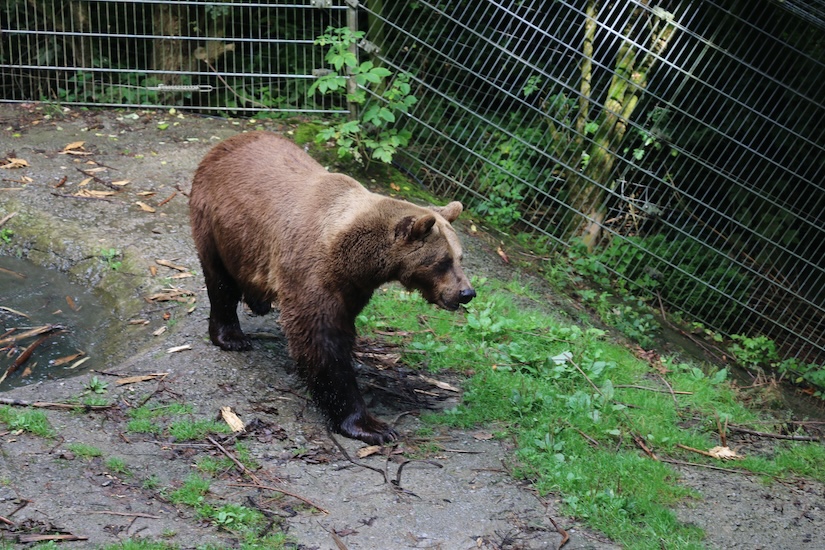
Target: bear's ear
column 412, row 228
column 449, row 212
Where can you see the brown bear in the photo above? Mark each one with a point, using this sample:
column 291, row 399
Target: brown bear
column 270, row 223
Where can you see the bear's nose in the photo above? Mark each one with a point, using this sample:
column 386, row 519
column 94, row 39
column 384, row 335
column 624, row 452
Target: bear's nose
column 466, row 295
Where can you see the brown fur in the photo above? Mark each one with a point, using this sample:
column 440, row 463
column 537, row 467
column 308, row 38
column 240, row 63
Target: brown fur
column 270, row 223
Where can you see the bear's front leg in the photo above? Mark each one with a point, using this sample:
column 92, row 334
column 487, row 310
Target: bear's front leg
column 324, row 355
column 336, row 393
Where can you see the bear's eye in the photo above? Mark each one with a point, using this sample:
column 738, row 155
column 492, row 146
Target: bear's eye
column 443, row 265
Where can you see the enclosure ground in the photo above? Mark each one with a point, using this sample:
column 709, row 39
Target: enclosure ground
column 462, row 496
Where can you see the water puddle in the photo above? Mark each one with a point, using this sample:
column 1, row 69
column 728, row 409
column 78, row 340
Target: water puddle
column 49, row 326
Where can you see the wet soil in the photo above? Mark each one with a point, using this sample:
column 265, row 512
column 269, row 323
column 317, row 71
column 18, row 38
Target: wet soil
column 462, row 496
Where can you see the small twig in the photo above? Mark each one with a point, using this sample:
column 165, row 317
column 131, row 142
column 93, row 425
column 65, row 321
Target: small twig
column 100, row 180
column 710, row 467
column 243, row 469
column 49, row 405
column 284, row 491
column 125, row 514
column 670, row 388
column 773, row 435
column 167, row 199
column 658, row 390
column 641, row 443
column 723, row 431
column 7, row 218
column 6, row 521
column 397, row 481
column 82, row 198
column 346, row 455
column 565, row 537
column 697, row 451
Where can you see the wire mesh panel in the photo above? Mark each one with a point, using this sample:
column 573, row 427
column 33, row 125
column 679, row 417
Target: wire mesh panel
column 682, row 146
column 228, row 56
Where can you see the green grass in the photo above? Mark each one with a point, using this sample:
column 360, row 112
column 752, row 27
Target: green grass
column 193, row 430
column 117, row 465
column 191, row 493
column 84, row 451
column 152, row 420
column 578, row 422
column 32, row 421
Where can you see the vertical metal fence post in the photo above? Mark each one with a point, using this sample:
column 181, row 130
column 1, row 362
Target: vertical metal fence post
column 352, row 86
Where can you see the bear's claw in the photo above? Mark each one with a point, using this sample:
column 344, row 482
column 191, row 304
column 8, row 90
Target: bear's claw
column 367, row 428
column 230, row 339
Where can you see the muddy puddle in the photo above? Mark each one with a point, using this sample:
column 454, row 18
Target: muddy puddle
column 50, row 327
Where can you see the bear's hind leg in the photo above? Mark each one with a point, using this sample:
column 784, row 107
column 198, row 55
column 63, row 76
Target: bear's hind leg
column 224, row 296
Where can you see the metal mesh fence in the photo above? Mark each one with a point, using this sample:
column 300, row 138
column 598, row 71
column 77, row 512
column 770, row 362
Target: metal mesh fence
column 214, row 56
column 682, row 143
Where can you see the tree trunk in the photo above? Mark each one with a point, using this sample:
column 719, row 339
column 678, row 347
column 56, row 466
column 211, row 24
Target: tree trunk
column 630, row 78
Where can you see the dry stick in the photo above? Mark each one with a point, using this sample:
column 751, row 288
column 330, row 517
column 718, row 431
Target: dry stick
column 6, row 521
column 49, row 405
column 698, row 451
column 657, row 390
column 281, row 490
column 23, row 357
column 723, row 432
column 241, row 467
column 346, row 455
column 41, row 538
column 100, row 180
column 125, row 514
column 82, row 198
column 672, row 393
column 710, row 467
column 37, row 331
column 774, row 436
column 167, row 199
column 7, row 218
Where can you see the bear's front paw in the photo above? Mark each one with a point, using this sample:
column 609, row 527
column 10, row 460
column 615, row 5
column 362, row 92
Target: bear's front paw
column 367, row 428
column 230, row 339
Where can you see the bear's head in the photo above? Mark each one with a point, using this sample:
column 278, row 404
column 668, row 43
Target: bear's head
column 429, row 255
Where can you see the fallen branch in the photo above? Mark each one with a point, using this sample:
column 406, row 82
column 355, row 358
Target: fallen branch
column 281, row 490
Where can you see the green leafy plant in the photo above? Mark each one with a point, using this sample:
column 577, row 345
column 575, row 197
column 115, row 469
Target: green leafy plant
column 370, row 135
column 6, row 235
column 112, row 258
column 96, row 385
column 756, row 352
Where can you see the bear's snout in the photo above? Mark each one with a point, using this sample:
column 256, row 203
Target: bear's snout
column 466, row 295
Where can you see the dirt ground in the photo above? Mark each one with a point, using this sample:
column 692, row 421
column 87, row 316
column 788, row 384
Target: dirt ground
column 463, row 498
